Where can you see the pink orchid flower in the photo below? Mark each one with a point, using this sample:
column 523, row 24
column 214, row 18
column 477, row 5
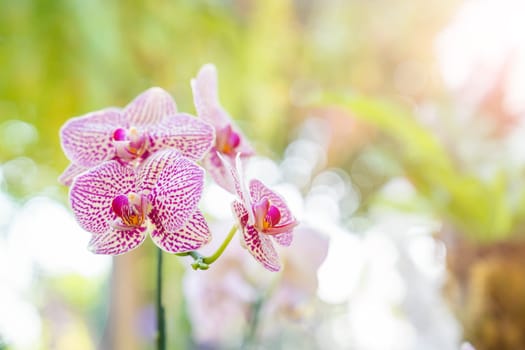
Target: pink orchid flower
column 119, row 204
column 149, row 123
column 262, row 216
column 229, row 139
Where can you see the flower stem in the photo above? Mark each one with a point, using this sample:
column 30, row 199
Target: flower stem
column 161, row 325
column 204, row 262
column 251, row 331
column 211, row 259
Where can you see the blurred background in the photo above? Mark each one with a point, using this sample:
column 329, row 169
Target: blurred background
column 393, row 128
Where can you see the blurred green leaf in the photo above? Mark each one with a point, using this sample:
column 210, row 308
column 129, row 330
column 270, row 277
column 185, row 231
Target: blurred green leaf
column 77, row 290
column 479, row 208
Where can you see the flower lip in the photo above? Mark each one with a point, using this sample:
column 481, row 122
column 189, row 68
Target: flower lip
column 227, row 140
column 273, row 216
column 260, row 210
column 118, row 204
column 278, row 229
column 130, row 144
column 119, row 134
column 132, row 210
column 268, row 217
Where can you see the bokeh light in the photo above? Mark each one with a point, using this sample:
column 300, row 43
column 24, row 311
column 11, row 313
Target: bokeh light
column 394, row 129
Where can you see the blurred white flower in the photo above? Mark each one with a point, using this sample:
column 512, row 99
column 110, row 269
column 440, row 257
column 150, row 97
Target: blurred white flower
column 236, row 283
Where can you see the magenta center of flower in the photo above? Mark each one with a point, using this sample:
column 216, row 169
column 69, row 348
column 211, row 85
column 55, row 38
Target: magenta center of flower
column 266, row 215
column 227, row 140
column 129, row 143
column 132, row 209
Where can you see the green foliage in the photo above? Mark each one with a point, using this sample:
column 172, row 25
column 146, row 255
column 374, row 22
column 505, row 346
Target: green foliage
column 480, row 208
column 61, row 59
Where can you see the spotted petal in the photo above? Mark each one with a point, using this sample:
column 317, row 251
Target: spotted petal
column 116, row 242
column 192, row 236
column 189, row 135
column 259, row 245
column 92, row 192
column 261, row 248
column 87, row 140
column 219, row 171
column 240, row 212
column 177, row 192
column 72, row 171
column 150, row 107
column 151, row 169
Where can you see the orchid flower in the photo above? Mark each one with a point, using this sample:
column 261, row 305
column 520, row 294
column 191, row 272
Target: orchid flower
column 149, row 123
column 229, row 139
column 262, row 215
column 119, row 204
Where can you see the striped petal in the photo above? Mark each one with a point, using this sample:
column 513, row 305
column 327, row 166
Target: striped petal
column 206, row 99
column 261, row 248
column 240, row 212
column 72, row 171
column 189, row 135
column 92, row 193
column 151, row 169
column 259, row 245
column 219, row 172
column 116, row 242
column 150, row 107
column 177, row 192
column 192, row 236
column 87, row 140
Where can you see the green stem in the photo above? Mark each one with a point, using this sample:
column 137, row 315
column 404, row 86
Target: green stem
column 250, row 337
column 161, row 325
column 251, row 332
column 204, row 262
column 211, row 259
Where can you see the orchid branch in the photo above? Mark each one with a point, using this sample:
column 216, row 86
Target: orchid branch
column 204, row 262
column 161, row 324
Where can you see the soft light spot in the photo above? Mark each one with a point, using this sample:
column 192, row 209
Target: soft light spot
column 340, row 272
column 213, row 199
column 24, row 330
column 482, row 38
column 56, row 243
column 16, row 136
column 263, row 169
